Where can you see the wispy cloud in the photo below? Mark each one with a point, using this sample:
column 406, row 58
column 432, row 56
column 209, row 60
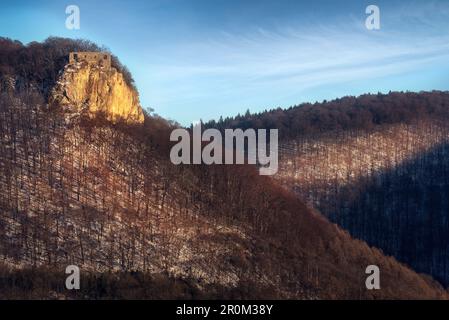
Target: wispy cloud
column 291, row 59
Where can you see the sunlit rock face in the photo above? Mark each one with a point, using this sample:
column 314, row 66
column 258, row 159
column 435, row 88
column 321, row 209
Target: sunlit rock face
column 94, row 89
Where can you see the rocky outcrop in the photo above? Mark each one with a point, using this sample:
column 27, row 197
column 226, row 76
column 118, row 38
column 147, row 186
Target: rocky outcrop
column 94, row 89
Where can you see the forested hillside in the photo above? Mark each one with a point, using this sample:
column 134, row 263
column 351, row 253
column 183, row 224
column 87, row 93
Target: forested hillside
column 104, row 196
column 375, row 165
column 365, row 112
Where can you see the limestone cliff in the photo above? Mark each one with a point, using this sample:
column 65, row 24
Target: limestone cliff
column 93, row 89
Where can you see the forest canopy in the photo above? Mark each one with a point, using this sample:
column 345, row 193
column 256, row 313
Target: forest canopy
column 38, row 64
column 347, row 113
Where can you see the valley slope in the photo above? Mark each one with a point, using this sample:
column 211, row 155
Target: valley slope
column 376, row 165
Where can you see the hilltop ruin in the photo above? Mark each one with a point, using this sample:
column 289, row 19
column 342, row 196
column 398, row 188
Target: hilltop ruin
column 102, row 59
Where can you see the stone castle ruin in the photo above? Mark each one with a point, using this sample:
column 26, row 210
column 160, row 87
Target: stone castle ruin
column 102, row 59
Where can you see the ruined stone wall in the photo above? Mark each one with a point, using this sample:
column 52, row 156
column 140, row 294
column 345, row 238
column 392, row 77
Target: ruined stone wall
column 92, row 58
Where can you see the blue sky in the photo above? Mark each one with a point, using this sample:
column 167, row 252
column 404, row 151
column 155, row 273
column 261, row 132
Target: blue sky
column 201, row 59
